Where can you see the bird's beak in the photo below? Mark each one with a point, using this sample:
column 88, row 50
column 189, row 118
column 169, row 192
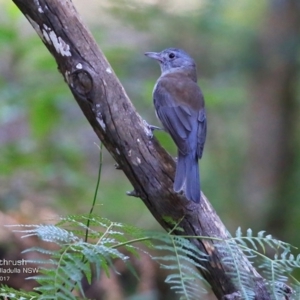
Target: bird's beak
column 154, row 55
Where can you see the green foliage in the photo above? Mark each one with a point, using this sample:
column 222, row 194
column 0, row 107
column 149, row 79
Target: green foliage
column 181, row 259
column 277, row 271
column 72, row 261
column 10, row 293
column 63, row 269
column 232, row 256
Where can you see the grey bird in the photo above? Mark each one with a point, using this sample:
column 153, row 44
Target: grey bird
column 179, row 105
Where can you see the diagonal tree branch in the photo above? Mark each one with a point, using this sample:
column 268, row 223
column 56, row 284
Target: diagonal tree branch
column 147, row 165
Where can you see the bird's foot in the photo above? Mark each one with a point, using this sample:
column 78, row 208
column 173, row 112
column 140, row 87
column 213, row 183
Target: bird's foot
column 117, row 166
column 133, row 193
column 150, row 129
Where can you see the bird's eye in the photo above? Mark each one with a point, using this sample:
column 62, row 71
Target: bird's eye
column 171, row 55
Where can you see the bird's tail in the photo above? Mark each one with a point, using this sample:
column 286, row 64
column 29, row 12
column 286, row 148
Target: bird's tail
column 187, row 177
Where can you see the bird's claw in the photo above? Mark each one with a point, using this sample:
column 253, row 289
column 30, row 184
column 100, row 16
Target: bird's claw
column 117, row 166
column 150, row 128
column 133, row 193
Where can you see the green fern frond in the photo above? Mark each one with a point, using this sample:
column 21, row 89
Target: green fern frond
column 231, row 257
column 181, row 261
column 275, row 270
column 79, row 246
column 262, row 240
column 7, row 292
column 47, row 233
column 67, row 266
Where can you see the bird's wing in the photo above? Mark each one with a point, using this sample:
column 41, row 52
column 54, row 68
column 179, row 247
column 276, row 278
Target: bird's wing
column 175, row 119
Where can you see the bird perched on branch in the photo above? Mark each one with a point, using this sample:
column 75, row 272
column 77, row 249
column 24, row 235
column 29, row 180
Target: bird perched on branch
column 179, row 105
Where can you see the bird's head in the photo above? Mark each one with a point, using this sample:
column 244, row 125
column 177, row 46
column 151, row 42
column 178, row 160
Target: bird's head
column 172, row 60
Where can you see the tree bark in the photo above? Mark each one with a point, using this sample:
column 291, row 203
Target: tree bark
column 146, row 164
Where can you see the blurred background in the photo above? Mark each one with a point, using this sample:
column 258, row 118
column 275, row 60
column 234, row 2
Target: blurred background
column 248, row 55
